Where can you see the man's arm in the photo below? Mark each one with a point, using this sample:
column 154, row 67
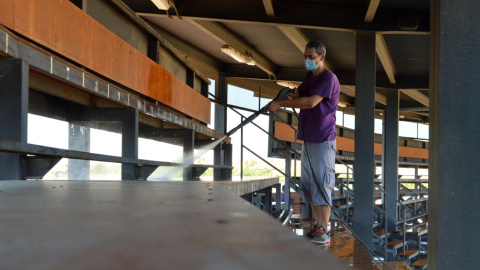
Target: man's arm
column 300, row 103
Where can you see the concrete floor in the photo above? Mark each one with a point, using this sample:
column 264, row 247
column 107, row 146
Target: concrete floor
column 143, row 225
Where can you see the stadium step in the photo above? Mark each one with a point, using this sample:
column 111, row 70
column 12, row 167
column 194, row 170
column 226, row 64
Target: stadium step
column 420, row 264
column 409, row 254
column 395, row 244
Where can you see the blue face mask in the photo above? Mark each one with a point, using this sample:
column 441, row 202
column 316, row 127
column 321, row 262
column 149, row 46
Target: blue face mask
column 310, row 65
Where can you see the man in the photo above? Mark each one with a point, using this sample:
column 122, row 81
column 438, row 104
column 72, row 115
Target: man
column 317, row 99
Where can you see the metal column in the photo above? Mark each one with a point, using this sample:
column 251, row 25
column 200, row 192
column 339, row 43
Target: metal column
column 228, row 161
column 78, row 139
column 220, row 123
column 364, row 165
column 390, row 155
column 14, row 79
column 454, row 144
column 129, row 141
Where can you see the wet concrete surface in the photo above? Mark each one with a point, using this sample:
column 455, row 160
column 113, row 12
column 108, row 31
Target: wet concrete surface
column 345, row 246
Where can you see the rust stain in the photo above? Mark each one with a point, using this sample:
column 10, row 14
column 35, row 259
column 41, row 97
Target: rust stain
column 62, row 27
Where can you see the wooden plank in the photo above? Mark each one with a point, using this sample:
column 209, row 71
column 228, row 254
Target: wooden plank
column 62, row 27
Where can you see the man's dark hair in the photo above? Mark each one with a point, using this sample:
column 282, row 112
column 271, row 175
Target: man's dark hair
column 318, row 45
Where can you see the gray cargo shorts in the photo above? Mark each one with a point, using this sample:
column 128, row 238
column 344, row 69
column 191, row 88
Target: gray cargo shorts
column 322, row 179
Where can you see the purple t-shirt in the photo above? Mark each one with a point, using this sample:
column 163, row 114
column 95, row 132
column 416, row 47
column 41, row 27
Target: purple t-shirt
column 318, row 123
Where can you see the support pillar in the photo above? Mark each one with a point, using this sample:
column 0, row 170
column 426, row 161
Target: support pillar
column 130, row 124
column 364, row 164
column 390, row 156
column 220, row 123
column 453, row 156
column 78, row 139
column 188, row 154
column 228, row 161
column 14, row 79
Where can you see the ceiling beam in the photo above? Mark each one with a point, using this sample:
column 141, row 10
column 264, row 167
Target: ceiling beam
column 226, row 38
column 268, row 7
column 188, row 51
column 292, row 13
column 372, row 9
column 298, row 39
column 344, row 77
column 418, row 96
column 385, row 58
column 380, row 98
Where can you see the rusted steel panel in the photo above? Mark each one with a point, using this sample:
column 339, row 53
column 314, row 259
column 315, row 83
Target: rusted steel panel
column 62, row 27
column 6, row 13
column 285, row 133
column 412, row 152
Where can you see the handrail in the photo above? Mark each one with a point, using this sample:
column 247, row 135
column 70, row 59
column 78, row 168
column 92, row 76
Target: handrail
column 399, row 223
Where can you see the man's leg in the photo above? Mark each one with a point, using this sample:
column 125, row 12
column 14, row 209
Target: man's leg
column 322, row 215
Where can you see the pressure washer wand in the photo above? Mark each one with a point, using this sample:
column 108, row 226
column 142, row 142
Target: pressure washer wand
column 282, row 94
column 247, row 121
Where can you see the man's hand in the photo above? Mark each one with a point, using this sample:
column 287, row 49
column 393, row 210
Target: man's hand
column 294, row 94
column 273, row 106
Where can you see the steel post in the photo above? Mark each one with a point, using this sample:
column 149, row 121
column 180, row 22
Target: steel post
column 14, row 79
column 453, row 156
column 390, row 155
column 220, row 122
column 364, row 164
column 130, row 126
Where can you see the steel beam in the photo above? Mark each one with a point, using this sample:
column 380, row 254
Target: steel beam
column 385, row 58
column 417, row 95
column 300, row 14
column 453, row 156
column 372, row 9
column 223, row 36
column 268, row 7
column 10, row 146
column 298, row 39
column 13, row 113
column 130, row 125
column 390, row 156
column 364, row 164
column 344, row 77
